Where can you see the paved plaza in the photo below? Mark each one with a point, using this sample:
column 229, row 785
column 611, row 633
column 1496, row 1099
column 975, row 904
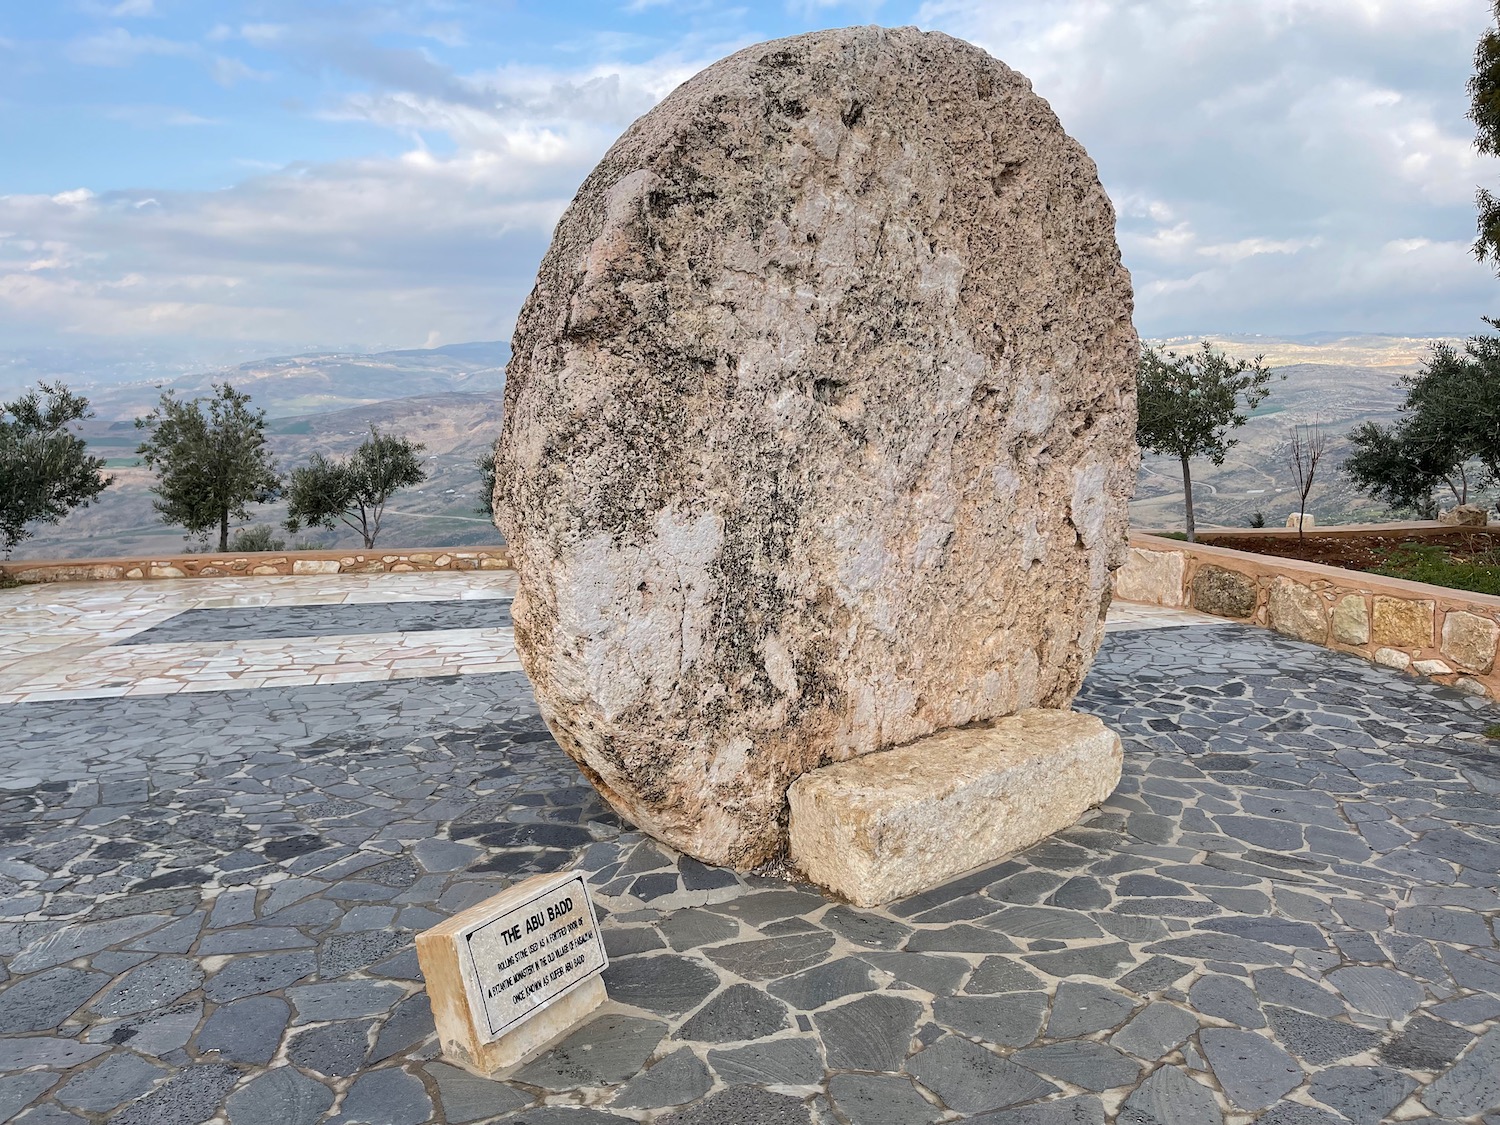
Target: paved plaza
column 228, row 805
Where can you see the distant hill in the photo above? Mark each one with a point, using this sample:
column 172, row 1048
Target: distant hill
column 1331, row 380
column 308, row 384
column 451, row 399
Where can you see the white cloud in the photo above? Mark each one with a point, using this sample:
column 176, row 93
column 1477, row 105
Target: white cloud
column 118, row 47
column 1265, row 154
column 228, row 71
column 156, row 116
column 367, row 252
column 1278, row 165
column 122, row 9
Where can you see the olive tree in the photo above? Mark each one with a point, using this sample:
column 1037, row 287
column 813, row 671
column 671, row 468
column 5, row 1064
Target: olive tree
column 1446, row 437
column 45, row 468
column 1189, row 403
column 485, row 464
column 354, row 491
column 1484, row 111
column 211, row 459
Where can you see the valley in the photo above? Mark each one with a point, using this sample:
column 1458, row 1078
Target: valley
column 452, row 400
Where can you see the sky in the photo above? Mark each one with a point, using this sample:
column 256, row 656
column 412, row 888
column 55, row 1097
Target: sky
column 187, row 183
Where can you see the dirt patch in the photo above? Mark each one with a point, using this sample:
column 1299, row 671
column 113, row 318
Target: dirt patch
column 1461, row 559
column 1364, row 552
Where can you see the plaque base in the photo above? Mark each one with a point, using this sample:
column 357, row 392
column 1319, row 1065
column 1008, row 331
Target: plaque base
column 464, row 1046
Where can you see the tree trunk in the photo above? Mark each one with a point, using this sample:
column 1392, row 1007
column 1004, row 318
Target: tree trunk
column 1187, row 500
column 223, row 531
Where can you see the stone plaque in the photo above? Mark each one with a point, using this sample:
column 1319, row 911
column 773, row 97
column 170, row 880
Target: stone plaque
column 507, row 976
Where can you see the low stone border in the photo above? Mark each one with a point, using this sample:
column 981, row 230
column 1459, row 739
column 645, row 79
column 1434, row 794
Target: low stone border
column 267, row 563
column 1447, row 635
column 1416, row 529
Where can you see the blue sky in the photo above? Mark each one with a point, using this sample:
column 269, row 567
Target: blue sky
column 189, row 182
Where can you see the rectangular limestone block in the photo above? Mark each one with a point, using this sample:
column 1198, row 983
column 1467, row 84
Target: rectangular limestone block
column 1152, row 577
column 893, row 823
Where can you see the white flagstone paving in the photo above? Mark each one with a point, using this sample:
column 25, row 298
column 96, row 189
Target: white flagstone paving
column 59, row 641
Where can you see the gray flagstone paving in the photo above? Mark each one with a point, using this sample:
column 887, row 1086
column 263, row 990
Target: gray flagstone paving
column 1286, row 914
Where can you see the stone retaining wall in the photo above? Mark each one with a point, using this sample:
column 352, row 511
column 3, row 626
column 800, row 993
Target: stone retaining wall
column 267, row 563
column 1446, row 635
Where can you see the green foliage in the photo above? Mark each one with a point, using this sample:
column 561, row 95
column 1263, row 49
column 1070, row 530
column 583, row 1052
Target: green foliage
column 258, row 537
column 1257, row 519
column 1492, row 732
column 1189, row 403
column 211, row 461
column 354, row 492
column 1427, row 562
column 45, row 469
column 1484, row 111
column 1387, row 466
column 1448, row 435
column 485, row 463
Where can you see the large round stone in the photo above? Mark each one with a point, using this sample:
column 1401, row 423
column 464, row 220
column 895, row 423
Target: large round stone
column 819, row 430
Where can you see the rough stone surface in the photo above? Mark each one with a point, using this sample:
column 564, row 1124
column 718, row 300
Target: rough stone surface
column 1152, row 577
column 1472, row 1085
column 1170, row 1097
column 1469, row 640
column 1253, row 1071
column 884, row 825
column 742, row 1105
column 878, row 1099
column 1465, row 515
column 283, row 1096
column 1295, row 610
column 819, row 428
column 1350, row 620
column 971, row 1079
column 1401, row 622
column 1225, row 593
column 1392, row 658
